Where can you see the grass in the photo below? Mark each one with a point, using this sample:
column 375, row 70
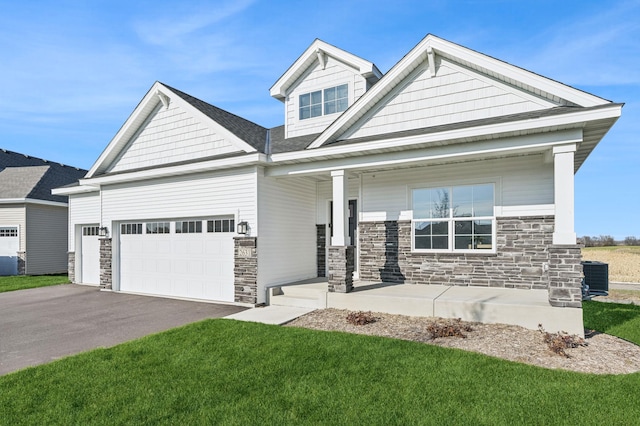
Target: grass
column 21, row 282
column 624, row 261
column 227, row 372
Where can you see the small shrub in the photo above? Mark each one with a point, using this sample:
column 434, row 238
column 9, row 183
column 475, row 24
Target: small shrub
column 558, row 342
column 360, row 318
column 448, row 328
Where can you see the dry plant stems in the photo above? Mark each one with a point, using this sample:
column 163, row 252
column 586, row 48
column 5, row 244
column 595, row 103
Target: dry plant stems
column 449, row 328
column 558, row 342
column 360, row 318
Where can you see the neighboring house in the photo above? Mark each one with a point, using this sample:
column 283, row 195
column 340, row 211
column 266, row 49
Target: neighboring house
column 452, row 168
column 33, row 222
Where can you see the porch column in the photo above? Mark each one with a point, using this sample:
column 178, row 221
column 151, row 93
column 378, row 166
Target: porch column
column 341, row 256
column 564, row 231
column 340, row 209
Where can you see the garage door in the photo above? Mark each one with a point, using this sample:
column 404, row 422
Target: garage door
column 90, row 264
column 9, row 245
column 186, row 258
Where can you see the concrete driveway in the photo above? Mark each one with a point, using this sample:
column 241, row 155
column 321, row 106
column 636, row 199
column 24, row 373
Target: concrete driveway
column 43, row 324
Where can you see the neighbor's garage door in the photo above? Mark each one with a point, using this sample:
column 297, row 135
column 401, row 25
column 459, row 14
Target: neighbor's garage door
column 186, row 258
column 9, row 246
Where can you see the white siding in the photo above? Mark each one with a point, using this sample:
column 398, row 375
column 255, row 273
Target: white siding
column 84, row 209
column 334, row 74
column 46, row 247
column 228, row 192
column 287, row 242
column 171, row 135
column 521, row 182
column 325, row 194
column 14, row 214
column 454, row 95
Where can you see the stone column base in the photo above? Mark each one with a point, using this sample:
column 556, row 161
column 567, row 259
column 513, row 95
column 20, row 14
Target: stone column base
column 565, row 276
column 71, row 266
column 245, row 270
column 22, row 262
column 105, row 263
column 341, row 266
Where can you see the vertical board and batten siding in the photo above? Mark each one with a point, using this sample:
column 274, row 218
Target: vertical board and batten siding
column 454, row 95
column 12, row 215
column 325, row 194
column 169, row 136
column 334, row 74
column 228, row 192
column 520, row 181
column 46, row 239
column 84, row 209
column 287, row 241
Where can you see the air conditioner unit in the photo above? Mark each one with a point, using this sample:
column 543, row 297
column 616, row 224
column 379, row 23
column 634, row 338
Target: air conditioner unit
column 596, row 277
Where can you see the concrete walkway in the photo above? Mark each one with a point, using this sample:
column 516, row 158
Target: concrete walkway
column 43, row 324
column 277, row 315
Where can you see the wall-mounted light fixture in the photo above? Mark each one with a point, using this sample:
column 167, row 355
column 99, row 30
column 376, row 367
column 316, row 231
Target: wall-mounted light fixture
column 243, row 228
column 103, row 231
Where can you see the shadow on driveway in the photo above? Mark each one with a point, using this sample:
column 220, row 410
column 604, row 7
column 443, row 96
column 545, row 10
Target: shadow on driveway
column 43, row 324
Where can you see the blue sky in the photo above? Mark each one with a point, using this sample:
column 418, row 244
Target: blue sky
column 72, row 71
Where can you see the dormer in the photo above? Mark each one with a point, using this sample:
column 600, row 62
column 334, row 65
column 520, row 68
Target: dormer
column 320, row 85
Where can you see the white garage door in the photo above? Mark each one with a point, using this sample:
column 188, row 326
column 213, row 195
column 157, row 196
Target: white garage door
column 90, row 263
column 9, row 245
column 186, row 258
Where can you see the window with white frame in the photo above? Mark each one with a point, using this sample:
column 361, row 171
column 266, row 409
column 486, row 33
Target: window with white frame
column 131, row 228
column 90, row 230
column 327, row 101
column 8, row 231
column 189, row 227
column 221, row 225
column 454, row 218
column 157, row 227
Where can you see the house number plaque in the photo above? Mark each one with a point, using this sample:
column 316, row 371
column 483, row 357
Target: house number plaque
column 244, row 251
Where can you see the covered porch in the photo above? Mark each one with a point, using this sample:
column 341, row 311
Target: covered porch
column 524, row 307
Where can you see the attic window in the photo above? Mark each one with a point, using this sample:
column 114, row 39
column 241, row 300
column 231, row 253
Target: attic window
column 324, row 102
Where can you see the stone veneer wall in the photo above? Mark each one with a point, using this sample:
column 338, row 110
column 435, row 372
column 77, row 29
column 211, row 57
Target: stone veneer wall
column 245, row 270
column 22, row 262
column 105, row 263
column 71, row 266
column 341, row 267
column 525, row 258
column 321, row 247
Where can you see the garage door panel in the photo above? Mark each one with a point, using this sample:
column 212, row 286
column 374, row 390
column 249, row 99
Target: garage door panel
column 191, row 265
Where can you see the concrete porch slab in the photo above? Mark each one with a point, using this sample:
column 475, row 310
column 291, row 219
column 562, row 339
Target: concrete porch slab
column 276, row 315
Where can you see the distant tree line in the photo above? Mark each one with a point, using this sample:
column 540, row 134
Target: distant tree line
column 607, row 240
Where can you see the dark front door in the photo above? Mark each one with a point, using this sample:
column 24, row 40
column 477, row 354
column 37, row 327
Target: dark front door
column 353, row 222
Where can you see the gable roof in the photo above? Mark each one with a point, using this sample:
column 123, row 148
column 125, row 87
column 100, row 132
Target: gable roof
column 244, row 134
column 425, row 51
column 36, row 182
column 315, row 53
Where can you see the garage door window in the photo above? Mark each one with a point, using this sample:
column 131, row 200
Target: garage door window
column 9, row 232
column 221, row 225
column 158, row 227
column 131, row 228
column 189, row 227
column 90, row 230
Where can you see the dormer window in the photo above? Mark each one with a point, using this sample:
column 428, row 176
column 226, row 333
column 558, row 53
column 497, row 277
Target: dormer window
column 327, row 101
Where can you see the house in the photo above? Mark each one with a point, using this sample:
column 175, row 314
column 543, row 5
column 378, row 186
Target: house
column 33, row 222
column 452, row 168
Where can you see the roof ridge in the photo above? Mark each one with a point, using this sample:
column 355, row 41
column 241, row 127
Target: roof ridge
column 6, row 151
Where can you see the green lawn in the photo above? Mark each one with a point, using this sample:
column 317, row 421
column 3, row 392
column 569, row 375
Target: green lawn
column 228, row 372
column 21, row 282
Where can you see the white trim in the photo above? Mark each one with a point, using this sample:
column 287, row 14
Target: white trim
column 80, row 189
column 420, row 53
column 204, row 166
column 505, row 146
column 33, row 201
column 363, row 67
